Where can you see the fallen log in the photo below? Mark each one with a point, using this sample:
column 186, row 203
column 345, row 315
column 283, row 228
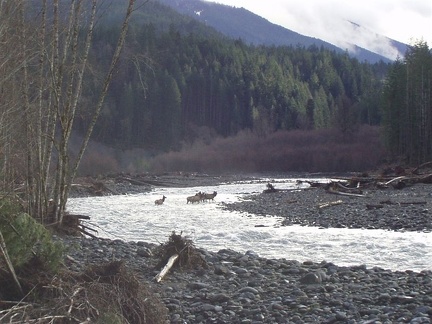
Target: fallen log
column 329, row 204
column 88, row 228
column 167, row 267
column 87, row 233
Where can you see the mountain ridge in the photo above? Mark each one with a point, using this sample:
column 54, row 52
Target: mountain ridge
column 240, row 23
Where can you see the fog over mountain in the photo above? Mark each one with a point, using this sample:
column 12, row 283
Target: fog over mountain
column 235, row 22
column 353, row 35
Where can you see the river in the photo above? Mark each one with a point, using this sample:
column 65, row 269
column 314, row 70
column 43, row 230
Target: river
column 137, row 218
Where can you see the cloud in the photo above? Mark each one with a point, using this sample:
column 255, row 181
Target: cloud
column 406, row 21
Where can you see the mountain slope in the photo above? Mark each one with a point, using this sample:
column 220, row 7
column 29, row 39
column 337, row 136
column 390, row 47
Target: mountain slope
column 251, row 28
column 376, row 43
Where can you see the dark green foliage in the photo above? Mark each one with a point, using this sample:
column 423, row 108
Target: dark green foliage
column 26, row 240
column 407, row 106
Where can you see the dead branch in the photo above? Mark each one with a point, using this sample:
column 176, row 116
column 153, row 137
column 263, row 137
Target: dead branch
column 426, row 178
column 396, row 179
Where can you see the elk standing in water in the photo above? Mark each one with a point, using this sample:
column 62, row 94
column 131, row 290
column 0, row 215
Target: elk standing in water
column 160, row 201
column 210, row 196
column 195, row 199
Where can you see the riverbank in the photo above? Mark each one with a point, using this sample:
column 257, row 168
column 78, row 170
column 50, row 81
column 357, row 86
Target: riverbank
column 246, row 288
column 408, row 209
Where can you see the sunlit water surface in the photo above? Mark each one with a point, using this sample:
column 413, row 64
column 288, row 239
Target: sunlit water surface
column 137, row 218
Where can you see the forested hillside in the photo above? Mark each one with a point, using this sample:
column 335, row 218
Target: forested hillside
column 177, row 77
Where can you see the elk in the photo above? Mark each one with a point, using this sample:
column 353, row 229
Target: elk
column 160, row 201
column 210, row 196
column 195, row 199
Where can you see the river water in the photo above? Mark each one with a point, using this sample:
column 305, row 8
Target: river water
column 137, row 218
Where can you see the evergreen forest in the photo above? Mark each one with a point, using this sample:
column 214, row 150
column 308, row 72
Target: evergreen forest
column 173, row 82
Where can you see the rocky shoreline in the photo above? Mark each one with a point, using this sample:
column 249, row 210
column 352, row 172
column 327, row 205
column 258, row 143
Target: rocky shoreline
column 246, row 288
column 408, row 209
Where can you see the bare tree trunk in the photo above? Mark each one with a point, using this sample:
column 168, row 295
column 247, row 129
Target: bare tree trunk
column 106, row 84
column 68, row 178
column 44, row 83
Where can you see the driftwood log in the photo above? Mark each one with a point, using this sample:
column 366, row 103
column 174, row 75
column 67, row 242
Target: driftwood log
column 342, row 193
column 329, row 204
column 167, row 267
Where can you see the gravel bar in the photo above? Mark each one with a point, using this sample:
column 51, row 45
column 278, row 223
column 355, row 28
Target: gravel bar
column 246, row 288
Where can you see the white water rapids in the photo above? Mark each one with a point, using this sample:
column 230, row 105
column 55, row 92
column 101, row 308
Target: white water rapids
column 137, row 218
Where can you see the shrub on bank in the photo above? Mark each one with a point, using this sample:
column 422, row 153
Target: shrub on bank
column 323, row 150
column 27, row 240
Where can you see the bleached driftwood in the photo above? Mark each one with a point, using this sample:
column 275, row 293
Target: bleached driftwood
column 336, row 192
column 329, row 204
column 167, row 267
column 396, row 179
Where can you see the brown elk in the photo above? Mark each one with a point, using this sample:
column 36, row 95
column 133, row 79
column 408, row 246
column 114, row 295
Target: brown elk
column 210, row 196
column 160, row 201
column 195, row 199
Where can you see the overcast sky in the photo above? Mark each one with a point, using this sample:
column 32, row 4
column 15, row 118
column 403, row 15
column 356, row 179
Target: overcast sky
column 406, row 21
